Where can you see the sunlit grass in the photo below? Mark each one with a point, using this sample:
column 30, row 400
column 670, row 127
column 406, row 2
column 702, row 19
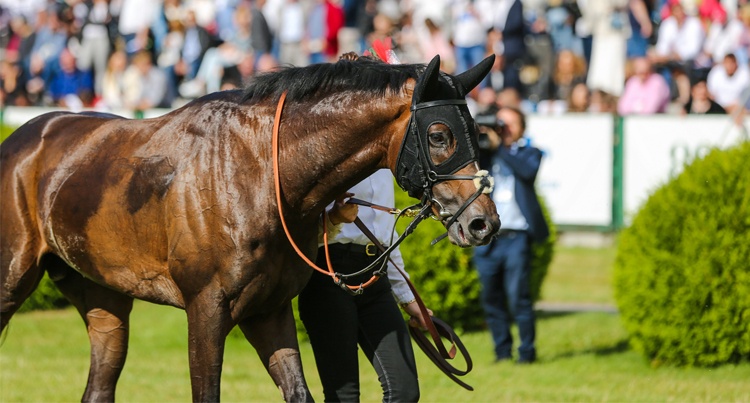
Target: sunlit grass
column 582, row 357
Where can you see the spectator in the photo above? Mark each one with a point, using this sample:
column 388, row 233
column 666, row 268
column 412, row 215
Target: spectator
column 261, row 38
column 700, row 102
column 50, row 40
column 679, row 43
column 602, row 102
column 94, row 50
column 334, row 22
column 217, row 59
column 145, row 85
column 196, row 42
column 569, row 69
column 727, row 81
column 509, row 22
column 610, row 30
column 504, row 265
column 291, row 34
column 436, row 43
column 645, row 92
column 69, row 86
column 12, row 90
column 509, row 97
column 469, row 35
column 724, row 37
column 641, row 27
column 315, row 40
column 579, row 99
column 113, row 85
column 135, row 18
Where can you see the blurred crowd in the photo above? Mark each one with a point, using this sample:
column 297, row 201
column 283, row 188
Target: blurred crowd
column 554, row 56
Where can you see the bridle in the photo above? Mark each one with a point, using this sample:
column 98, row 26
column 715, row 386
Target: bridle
column 417, row 174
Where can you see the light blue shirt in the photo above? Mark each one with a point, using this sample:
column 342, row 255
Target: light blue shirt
column 504, row 195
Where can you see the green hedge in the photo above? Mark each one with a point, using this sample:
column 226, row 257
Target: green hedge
column 46, row 296
column 682, row 273
column 444, row 274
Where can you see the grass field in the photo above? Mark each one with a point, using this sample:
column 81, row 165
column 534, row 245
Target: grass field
column 582, row 357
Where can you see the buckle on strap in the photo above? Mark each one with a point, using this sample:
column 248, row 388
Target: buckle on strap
column 371, row 249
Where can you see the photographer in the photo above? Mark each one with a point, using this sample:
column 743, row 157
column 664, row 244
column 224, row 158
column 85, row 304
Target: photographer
column 504, row 265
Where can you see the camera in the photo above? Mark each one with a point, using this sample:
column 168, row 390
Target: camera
column 487, row 120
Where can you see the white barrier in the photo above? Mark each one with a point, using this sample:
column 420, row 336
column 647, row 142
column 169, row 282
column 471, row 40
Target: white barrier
column 656, row 148
column 576, row 176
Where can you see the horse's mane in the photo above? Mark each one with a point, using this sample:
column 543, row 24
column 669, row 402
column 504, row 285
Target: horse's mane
column 362, row 74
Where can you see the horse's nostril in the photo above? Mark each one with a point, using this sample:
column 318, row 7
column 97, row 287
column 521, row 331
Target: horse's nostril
column 480, row 227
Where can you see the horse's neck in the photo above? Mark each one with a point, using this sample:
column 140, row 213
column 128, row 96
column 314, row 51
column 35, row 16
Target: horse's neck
column 347, row 148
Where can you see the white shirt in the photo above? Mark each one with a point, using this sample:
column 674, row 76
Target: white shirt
column 724, row 39
column 292, row 26
column 686, row 41
column 377, row 189
column 468, row 30
column 725, row 89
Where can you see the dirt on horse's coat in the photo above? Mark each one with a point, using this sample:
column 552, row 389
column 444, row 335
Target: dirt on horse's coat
column 180, row 210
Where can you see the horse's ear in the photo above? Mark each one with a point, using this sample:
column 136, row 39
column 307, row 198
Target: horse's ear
column 472, row 77
column 427, row 80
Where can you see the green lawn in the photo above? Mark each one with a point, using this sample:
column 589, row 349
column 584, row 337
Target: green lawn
column 582, row 357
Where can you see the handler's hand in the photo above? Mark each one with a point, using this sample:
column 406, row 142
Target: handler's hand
column 341, row 212
column 417, row 320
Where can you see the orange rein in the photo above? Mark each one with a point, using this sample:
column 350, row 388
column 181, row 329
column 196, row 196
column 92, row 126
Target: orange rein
column 277, row 185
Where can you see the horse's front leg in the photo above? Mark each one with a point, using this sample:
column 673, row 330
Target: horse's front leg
column 209, row 323
column 275, row 339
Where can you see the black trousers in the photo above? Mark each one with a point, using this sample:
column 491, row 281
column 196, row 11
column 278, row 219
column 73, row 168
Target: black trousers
column 337, row 322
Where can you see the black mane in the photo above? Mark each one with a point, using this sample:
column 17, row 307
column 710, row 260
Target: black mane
column 303, row 82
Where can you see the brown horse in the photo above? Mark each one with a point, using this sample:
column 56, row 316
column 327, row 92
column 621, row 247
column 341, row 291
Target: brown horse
column 180, row 210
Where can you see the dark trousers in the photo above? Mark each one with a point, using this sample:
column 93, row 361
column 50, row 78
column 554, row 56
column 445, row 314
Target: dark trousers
column 504, row 268
column 337, row 322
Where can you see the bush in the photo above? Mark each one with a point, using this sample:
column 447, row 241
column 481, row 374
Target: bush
column 681, row 275
column 444, row 274
column 46, row 296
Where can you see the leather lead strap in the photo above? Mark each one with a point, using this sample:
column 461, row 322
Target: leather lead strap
column 436, row 350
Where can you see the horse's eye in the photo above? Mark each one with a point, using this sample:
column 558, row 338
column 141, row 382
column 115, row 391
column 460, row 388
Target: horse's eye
column 438, row 139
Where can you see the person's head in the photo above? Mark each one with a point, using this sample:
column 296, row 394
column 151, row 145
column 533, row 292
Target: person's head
column 486, row 97
column 642, row 68
column 382, row 24
column 730, row 64
column 510, row 97
column 678, row 11
column 142, row 61
column 515, row 124
column 568, row 66
column 579, row 98
column 699, row 90
column 118, row 61
column 67, row 61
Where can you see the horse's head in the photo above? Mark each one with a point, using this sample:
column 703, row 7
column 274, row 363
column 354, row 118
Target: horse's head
column 437, row 162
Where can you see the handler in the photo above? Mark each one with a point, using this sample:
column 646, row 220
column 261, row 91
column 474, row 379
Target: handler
column 337, row 322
